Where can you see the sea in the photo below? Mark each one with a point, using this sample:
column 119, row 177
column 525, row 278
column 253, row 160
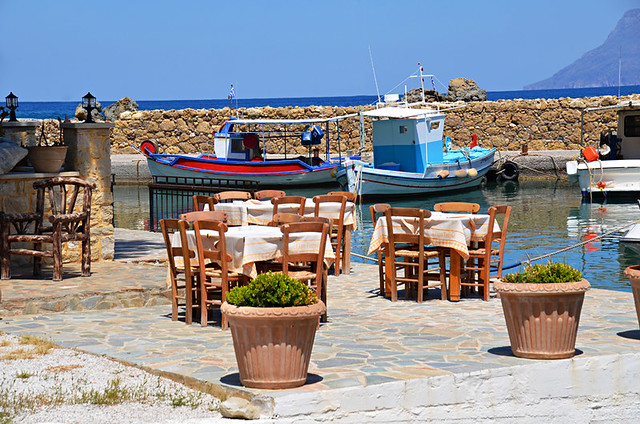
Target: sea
column 53, row 110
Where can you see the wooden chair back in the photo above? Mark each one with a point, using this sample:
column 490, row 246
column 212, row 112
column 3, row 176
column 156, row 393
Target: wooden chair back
column 215, row 278
column 351, row 197
column 457, row 207
column 201, row 202
column 294, row 204
column 378, row 210
column 336, row 229
column 227, row 196
column 268, row 194
column 284, row 218
column 306, row 266
column 180, row 267
column 209, row 215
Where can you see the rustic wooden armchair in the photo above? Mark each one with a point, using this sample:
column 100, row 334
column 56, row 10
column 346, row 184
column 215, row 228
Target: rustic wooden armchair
column 268, row 194
column 231, row 195
column 457, row 207
column 63, row 212
column 203, row 203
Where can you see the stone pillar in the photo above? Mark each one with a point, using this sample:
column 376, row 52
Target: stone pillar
column 22, row 132
column 90, row 154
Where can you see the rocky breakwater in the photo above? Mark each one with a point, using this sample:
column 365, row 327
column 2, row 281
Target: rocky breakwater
column 541, row 124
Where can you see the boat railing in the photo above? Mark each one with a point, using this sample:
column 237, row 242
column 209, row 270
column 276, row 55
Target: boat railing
column 171, row 196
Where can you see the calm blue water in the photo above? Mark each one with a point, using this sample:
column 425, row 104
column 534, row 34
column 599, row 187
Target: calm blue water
column 52, row 110
column 546, row 216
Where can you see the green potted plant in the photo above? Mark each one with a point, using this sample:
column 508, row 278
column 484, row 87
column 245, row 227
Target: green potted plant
column 273, row 322
column 542, row 306
column 48, row 155
column 633, row 272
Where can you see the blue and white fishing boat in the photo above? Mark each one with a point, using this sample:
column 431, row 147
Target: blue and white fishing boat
column 409, row 155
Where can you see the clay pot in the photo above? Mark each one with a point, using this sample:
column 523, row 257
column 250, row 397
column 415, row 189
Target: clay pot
column 542, row 319
column 633, row 272
column 273, row 345
column 47, row 159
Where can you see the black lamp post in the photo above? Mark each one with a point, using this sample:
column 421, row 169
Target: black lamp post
column 12, row 103
column 89, row 103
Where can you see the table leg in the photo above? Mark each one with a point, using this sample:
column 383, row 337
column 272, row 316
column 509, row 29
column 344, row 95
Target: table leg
column 346, row 257
column 454, row 275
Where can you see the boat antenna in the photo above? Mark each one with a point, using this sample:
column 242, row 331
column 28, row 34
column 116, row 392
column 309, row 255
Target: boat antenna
column 374, row 74
column 619, row 69
column 421, row 82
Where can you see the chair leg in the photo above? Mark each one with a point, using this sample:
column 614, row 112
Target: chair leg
column 57, row 255
column 86, row 258
column 442, row 260
column 381, row 274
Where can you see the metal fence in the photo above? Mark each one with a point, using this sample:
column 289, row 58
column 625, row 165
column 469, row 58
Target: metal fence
column 171, row 196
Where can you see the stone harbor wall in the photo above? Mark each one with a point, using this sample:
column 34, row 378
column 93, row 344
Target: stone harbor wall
column 542, row 124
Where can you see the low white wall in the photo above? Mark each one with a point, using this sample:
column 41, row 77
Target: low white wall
column 578, row 390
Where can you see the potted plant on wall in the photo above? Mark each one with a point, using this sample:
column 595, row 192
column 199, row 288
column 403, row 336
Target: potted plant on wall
column 48, row 155
column 542, row 306
column 273, row 321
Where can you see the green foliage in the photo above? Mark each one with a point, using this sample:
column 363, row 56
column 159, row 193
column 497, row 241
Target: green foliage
column 551, row 272
column 272, row 290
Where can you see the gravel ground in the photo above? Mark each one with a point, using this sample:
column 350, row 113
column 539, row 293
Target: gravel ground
column 67, row 386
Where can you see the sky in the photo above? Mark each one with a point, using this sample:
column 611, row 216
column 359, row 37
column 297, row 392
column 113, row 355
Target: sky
column 194, row 49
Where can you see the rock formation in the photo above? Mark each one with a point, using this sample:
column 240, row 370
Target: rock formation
column 96, row 115
column 465, row 90
column 113, row 111
column 414, row 96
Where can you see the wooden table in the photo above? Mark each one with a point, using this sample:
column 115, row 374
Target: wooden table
column 261, row 213
column 451, row 230
column 250, row 244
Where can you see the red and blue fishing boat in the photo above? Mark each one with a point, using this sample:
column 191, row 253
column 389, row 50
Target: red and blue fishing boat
column 241, row 154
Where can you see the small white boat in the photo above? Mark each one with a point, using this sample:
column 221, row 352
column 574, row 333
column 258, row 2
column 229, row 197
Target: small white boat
column 409, row 155
column 615, row 169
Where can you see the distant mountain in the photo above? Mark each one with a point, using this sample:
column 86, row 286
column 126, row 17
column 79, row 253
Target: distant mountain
column 599, row 67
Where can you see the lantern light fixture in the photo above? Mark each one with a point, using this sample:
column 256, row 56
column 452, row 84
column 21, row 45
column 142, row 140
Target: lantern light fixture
column 89, row 103
column 11, row 102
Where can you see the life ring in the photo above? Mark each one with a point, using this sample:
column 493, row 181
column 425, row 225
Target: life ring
column 250, row 141
column 148, row 147
column 509, row 171
column 333, row 173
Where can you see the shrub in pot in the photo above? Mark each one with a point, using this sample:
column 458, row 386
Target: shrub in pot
column 542, row 306
column 273, row 322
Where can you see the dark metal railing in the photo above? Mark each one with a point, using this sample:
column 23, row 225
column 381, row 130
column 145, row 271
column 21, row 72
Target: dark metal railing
column 171, row 196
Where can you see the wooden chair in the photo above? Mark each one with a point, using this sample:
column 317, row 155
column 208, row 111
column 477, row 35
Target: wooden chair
column 377, row 211
column 284, row 218
column 209, row 215
column 68, row 212
column 307, row 267
column 229, row 196
column 292, row 204
column 182, row 273
column 336, row 229
column 351, row 197
column 457, row 207
column 268, row 194
column 407, row 252
column 478, row 267
column 201, row 203
column 215, row 278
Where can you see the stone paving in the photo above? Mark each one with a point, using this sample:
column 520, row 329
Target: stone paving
column 367, row 340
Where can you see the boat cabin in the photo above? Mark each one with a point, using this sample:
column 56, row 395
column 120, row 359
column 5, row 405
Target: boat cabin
column 406, row 139
column 629, row 131
column 236, row 145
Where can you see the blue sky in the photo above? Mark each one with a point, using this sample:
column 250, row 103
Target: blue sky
column 157, row 50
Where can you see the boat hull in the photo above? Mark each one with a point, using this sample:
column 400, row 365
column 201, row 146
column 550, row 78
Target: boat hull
column 615, row 177
column 270, row 173
column 367, row 181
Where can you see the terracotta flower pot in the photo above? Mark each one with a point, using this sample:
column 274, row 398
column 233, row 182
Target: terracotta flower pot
column 47, row 158
column 273, row 345
column 633, row 272
column 542, row 319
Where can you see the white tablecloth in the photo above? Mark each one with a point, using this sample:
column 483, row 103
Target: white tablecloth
column 261, row 212
column 250, row 244
column 453, row 230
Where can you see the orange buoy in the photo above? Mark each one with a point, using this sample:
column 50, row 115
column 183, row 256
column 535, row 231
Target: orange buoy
column 590, row 154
